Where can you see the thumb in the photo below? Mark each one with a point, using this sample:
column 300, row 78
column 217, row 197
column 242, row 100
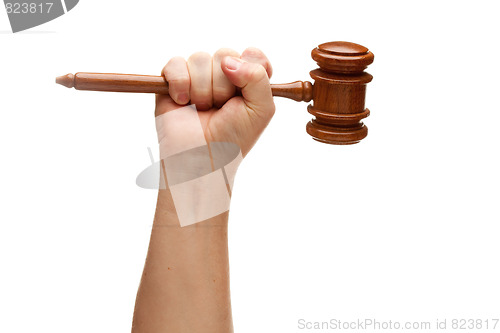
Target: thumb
column 254, row 83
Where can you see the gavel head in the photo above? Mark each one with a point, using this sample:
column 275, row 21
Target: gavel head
column 339, row 93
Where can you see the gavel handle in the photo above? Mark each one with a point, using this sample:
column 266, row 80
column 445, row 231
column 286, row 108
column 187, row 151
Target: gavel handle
column 298, row 90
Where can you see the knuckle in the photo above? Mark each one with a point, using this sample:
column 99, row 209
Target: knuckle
column 253, row 52
column 173, row 63
column 199, row 57
column 176, row 60
column 176, row 67
column 255, row 55
column 220, row 53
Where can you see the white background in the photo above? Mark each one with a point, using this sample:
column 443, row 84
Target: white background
column 403, row 226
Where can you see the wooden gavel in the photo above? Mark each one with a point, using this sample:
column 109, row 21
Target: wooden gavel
column 338, row 93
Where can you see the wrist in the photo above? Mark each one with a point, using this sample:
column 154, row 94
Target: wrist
column 166, row 214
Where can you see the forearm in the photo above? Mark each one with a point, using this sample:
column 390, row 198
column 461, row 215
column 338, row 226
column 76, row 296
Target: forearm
column 185, row 283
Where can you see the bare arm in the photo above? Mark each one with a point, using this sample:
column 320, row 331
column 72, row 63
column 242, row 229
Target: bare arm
column 185, row 284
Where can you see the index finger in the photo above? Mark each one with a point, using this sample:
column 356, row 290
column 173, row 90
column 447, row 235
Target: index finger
column 256, row 56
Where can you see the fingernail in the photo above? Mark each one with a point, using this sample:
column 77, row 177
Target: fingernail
column 183, row 98
column 233, row 64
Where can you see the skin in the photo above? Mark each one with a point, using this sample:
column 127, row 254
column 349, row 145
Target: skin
column 185, row 283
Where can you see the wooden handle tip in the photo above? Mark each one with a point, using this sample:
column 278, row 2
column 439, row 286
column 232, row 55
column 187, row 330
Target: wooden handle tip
column 67, row 80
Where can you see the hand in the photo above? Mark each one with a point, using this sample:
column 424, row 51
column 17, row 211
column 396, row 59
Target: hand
column 210, row 83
